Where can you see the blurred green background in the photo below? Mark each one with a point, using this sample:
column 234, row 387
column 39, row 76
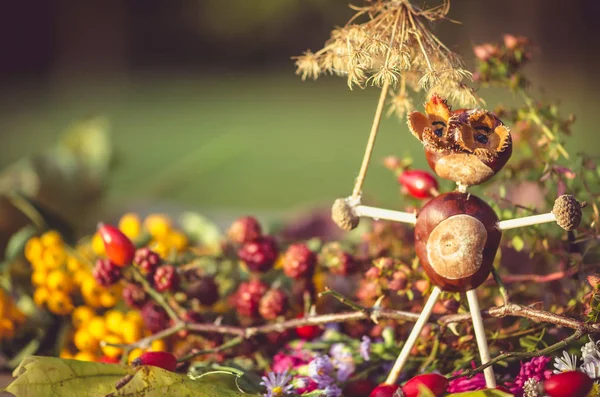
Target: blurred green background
column 206, row 112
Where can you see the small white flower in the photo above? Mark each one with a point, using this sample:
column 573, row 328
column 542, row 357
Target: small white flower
column 591, row 368
column 568, row 362
column 530, row 388
column 589, row 352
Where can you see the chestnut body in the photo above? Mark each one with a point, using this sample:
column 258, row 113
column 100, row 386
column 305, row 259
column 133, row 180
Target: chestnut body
column 456, row 240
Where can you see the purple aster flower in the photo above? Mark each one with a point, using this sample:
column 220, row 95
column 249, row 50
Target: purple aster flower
column 332, row 391
column 277, row 384
column 345, row 366
column 533, row 369
column 365, row 348
column 320, row 370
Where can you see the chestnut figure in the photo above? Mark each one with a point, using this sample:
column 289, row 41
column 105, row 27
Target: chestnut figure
column 456, row 240
column 457, row 234
column 465, row 146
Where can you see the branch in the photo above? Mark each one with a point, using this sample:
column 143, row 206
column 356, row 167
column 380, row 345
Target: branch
column 514, row 356
column 157, row 296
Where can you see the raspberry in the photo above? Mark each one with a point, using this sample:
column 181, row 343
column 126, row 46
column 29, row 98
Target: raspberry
column 244, row 230
column 134, row 296
column 299, row 261
column 146, row 260
column 260, row 254
column 106, row 273
column 336, row 260
column 248, row 296
column 155, row 317
column 204, row 289
column 273, row 304
column 166, row 278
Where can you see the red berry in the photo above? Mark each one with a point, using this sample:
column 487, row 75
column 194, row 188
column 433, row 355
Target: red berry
column 308, row 332
column 108, row 360
column 244, row 230
column 438, row 384
column 248, row 296
column 568, row 384
column 164, row 360
column 119, row 248
column 384, row 390
column 155, row 317
column 420, row 184
column 166, row 278
column 205, row 289
column 299, row 261
column 134, row 296
column 359, row 388
column 146, row 260
column 106, row 273
column 273, row 304
column 260, row 254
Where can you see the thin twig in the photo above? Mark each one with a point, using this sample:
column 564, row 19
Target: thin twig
column 157, row 296
column 227, row 345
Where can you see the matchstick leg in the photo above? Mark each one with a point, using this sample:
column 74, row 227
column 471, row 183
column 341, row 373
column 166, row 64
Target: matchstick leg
column 412, row 338
column 380, row 213
column 526, row 221
column 484, row 352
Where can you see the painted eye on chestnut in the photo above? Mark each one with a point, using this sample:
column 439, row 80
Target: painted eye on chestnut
column 439, row 132
column 482, row 139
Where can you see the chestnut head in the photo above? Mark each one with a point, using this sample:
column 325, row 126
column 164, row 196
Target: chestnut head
column 467, row 146
column 456, row 240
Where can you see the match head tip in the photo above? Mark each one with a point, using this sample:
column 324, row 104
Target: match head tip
column 343, row 215
column 567, row 211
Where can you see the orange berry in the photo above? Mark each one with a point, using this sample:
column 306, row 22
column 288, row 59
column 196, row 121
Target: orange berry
column 135, row 316
column 158, row 345
column 135, row 353
column 84, row 356
column 59, row 280
column 98, row 244
column 109, row 298
column 40, row 296
column 84, row 341
column 66, row 354
column 161, row 248
column 91, row 292
column 97, row 327
column 51, row 238
column 73, row 264
column 54, row 257
column 38, row 277
column 130, row 225
column 7, row 328
column 158, row 225
column 59, row 303
column 177, row 240
column 33, row 249
column 81, row 315
column 112, row 351
column 131, row 331
column 114, row 321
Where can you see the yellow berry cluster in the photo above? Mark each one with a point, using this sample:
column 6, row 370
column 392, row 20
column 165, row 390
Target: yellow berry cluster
column 164, row 239
column 116, row 327
column 10, row 316
column 60, row 276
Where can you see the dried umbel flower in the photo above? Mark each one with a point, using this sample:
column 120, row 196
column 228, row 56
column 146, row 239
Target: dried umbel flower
column 392, row 45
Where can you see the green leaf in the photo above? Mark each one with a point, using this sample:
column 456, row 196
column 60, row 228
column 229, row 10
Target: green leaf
column 518, row 243
column 47, row 376
column 482, row 393
column 16, row 244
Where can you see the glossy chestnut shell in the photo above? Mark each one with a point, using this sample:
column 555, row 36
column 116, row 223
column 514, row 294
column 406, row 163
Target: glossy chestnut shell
column 456, row 240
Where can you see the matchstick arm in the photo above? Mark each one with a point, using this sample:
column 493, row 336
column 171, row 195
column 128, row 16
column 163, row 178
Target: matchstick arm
column 347, row 212
column 566, row 213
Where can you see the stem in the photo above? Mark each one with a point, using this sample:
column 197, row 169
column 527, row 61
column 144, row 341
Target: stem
column 371, row 142
column 514, row 356
column 229, row 344
column 157, row 296
column 342, row 299
column 501, row 286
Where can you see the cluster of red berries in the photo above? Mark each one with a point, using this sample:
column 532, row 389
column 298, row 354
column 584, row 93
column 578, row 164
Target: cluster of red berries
column 566, row 384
